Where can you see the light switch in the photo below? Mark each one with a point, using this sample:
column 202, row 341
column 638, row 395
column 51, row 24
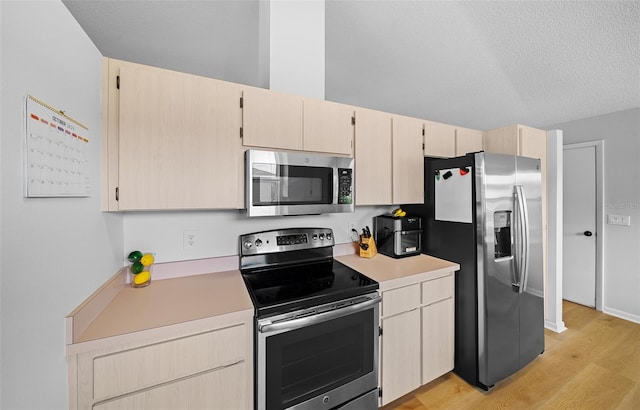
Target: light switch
column 624, row 220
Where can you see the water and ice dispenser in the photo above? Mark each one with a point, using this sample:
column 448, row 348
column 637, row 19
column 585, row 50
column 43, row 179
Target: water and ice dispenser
column 502, row 234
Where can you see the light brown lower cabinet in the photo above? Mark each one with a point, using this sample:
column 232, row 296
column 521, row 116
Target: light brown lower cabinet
column 210, row 369
column 417, row 343
column 215, row 389
column 437, row 339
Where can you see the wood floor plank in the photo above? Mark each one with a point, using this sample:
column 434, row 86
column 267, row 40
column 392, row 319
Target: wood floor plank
column 594, row 364
column 594, row 387
column 622, row 355
column 632, row 400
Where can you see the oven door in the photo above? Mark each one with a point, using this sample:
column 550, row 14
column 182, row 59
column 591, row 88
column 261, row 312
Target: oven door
column 324, row 358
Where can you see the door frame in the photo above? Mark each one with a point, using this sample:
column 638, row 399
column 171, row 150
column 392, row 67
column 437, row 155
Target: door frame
column 599, row 147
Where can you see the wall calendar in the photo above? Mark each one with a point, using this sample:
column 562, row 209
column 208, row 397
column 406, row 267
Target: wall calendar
column 56, row 160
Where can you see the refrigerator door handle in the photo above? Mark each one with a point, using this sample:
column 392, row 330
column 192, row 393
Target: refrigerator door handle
column 523, row 229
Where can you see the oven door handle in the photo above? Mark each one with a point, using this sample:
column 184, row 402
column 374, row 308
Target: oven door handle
column 320, row 317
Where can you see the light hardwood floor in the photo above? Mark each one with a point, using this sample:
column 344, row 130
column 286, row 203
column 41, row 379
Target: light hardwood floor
column 594, row 364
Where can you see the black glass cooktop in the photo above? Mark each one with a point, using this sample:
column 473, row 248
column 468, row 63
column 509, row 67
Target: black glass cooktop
column 277, row 290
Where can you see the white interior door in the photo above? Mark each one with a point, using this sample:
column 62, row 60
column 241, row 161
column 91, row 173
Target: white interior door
column 579, row 214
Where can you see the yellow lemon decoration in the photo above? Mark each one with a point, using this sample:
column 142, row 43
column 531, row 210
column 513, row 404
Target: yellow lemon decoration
column 142, row 278
column 140, row 268
column 146, row 259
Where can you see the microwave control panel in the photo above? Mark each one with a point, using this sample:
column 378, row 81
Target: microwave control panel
column 345, row 185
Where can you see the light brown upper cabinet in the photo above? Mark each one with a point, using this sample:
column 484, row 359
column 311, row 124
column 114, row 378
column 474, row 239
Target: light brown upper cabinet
column 407, row 160
column 274, row 120
column 171, row 140
column 271, row 119
column 439, row 139
column 328, row 127
column 447, row 141
column 468, row 140
column 517, row 140
column 372, row 157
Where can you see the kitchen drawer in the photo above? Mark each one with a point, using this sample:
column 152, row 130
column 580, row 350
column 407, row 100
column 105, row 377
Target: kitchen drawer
column 130, row 370
column 219, row 389
column 400, row 300
column 437, row 289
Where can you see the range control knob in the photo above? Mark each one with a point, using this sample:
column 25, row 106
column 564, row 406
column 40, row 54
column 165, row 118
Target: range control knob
column 322, row 237
column 248, row 244
column 258, row 242
column 328, row 236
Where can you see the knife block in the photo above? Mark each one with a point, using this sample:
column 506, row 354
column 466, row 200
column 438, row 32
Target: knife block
column 371, row 251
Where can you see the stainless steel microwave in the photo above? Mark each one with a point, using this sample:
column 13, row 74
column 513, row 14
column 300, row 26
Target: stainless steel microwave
column 288, row 183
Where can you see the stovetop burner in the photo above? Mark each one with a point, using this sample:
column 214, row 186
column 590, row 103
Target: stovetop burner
column 291, row 269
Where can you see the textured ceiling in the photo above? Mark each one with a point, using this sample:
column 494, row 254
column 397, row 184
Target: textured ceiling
column 486, row 64
column 480, row 64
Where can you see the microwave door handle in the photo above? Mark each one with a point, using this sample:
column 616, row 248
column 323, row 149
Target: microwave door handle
column 321, row 317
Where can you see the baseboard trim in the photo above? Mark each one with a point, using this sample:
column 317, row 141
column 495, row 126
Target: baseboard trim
column 557, row 327
column 621, row 314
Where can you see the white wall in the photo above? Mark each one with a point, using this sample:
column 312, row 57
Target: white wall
column 297, row 47
column 621, row 133
column 54, row 251
column 217, row 232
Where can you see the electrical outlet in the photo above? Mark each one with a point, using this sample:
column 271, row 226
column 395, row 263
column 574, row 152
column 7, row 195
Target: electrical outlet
column 350, row 226
column 189, row 240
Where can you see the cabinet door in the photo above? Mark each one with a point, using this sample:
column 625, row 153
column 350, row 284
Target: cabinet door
column 400, row 347
column 373, row 158
column 468, row 140
column 532, row 142
column 271, row 119
column 328, row 127
column 178, row 141
column 439, row 139
column 221, row 389
column 408, row 161
column 501, row 140
column 437, row 339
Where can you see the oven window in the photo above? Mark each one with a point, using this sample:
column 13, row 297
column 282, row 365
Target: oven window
column 306, row 362
column 291, row 185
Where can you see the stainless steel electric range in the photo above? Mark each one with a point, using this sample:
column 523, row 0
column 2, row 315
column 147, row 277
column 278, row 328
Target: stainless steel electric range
column 316, row 328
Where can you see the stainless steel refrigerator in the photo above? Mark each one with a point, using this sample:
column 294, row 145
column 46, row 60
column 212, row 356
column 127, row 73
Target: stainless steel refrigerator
column 484, row 211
